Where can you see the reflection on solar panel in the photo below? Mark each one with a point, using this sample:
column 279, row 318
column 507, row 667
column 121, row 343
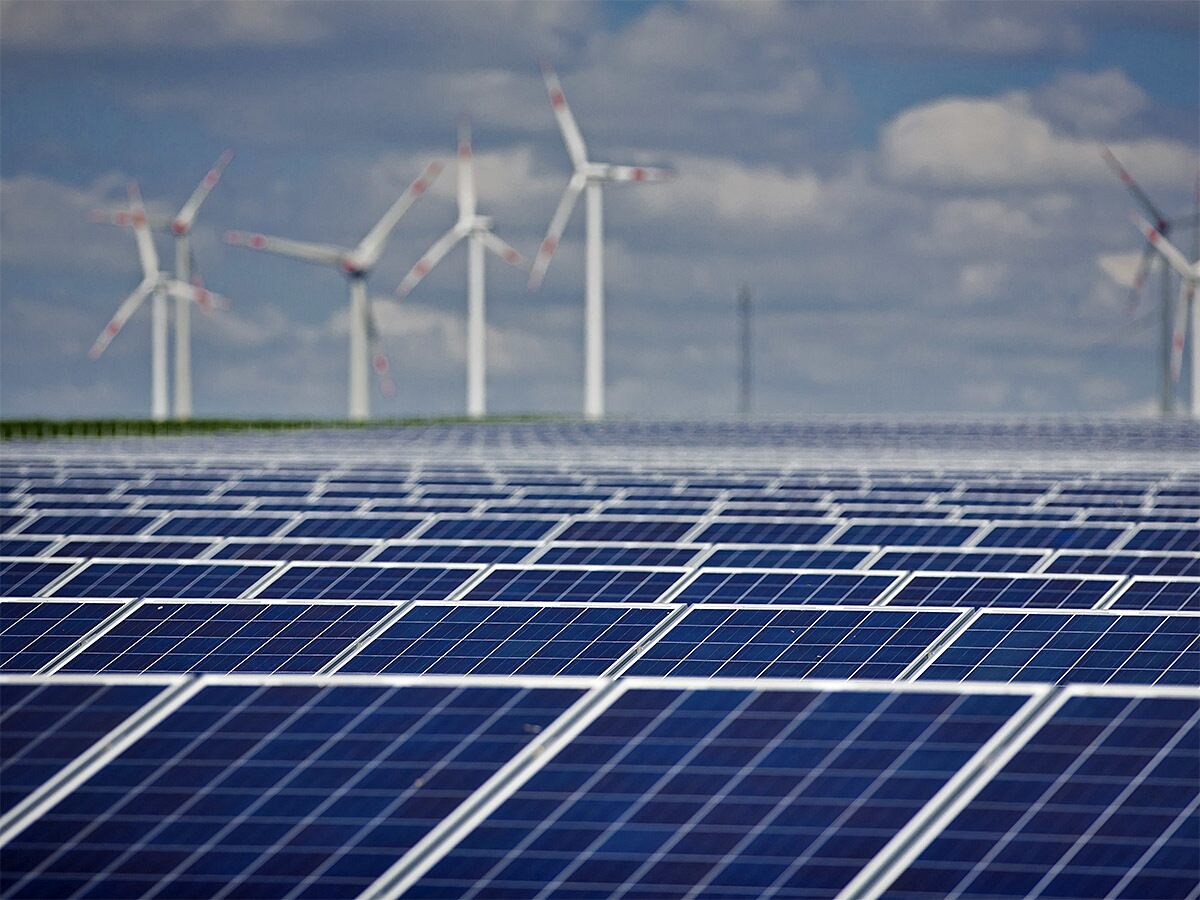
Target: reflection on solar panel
column 46, row 725
column 776, row 586
column 492, row 639
column 549, row 583
column 618, row 555
column 1078, row 537
column 757, row 531
column 958, row 560
column 194, row 580
column 314, row 581
column 1160, row 593
column 227, row 637
column 488, row 529
column 25, row 577
column 1099, row 803
column 33, row 632
column 1090, row 647
column 793, row 643
column 264, row 791
column 791, row 558
column 353, row 527
column 1057, row 591
column 732, row 793
column 626, row 530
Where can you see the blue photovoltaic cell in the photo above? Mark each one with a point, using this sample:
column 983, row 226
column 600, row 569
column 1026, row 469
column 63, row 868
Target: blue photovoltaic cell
column 1174, row 538
column 227, row 637
column 609, row 555
column 906, row 534
column 44, row 726
column 488, row 529
column 304, row 790
column 282, row 550
column 196, row 580
column 762, row 558
column 364, row 582
column 361, row 526
column 1165, row 594
column 79, row 505
column 33, row 632
column 957, row 560
column 763, row 532
column 25, row 577
column 1120, row 563
column 1003, row 590
column 506, row 640
column 793, row 643
column 454, row 553
column 663, row 531
column 15, row 546
column 550, row 584
column 133, row 549
column 720, row 793
column 1074, row 537
column 1099, row 803
column 771, row 586
column 1093, row 648
column 115, row 524
column 222, row 526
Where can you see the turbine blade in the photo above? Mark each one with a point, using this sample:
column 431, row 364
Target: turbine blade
column 121, row 316
column 366, row 254
column 432, row 257
column 504, row 250
column 466, row 172
column 639, row 173
column 1165, row 248
column 576, row 149
column 196, row 291
column 1141, row 196
column 145, row 243
column 187, row 213
column 1139, row 277
column 314, row 253
column 550, row 242
column 124, row 217
column 1179, row 337
column 379, row 360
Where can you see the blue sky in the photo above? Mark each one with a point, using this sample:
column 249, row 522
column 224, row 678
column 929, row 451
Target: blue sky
column 913, row 190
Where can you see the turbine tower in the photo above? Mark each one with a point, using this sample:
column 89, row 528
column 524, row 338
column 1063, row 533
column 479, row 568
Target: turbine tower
column 477, row 230
column 590, row 176
column 160, row 285
column 356, row 263
column 1185, row 308
column 179, row 225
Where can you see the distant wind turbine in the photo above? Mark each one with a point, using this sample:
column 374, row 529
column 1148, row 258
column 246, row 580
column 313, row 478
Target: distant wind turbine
column 477, row 230
column 589, row 175
column 180, row 225
column 159, row 284
column 356, row 263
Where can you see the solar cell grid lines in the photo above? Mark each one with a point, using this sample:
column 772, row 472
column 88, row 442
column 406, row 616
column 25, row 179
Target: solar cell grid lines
column 34, row 632
column 1165, row 537
column 552, row 583
column 1159, row 593
column 185, row 578
column 375, row 527
column 831, row 586
column 1087, row 537
column 454, row 552
column 298, row 550
column 761, row 531
column 1133, row 562
column 250, row 525
column 134, row 548
column 769, row 557
column 25, row 577
column 90, row 523
column 957, row 560
column 616, row 555
column 981, row 589
column 492, row 528
column 908, row 534
column 366, row 581
column 645, row 530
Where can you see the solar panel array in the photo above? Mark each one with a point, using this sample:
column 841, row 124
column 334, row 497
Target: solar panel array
column 856, row 659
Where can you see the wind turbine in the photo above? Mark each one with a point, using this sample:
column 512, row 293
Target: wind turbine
column 180, row 225
column 1185, row 308
column 592, row 176
column 356, row 263
column 161, row 285
column 477, row 230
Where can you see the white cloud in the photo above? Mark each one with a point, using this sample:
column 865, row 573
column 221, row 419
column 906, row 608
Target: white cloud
column 1092, row 102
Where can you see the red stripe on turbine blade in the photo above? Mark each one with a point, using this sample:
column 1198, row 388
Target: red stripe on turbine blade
column 257, row 241
column 422, row 267
column 212, row 178
column 380, row 362
column 418, row 186
column 112, row 328
column 433, row 169
column 639, row 174
column 178, row 227
column 549, row 244
column 512, row 256
column 556, row 98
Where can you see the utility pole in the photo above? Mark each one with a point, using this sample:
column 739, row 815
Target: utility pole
column 743, row 302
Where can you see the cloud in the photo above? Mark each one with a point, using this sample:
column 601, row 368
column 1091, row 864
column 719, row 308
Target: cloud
column 1094, row 103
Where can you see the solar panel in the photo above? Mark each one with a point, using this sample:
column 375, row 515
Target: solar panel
column 134, row 548
column 907, row 534
column 1136, row 562
column 195, row 580
column 25, row 577
column 829, row 586
column 809, row 642
column 956, row 589
column 15, row 546
column 1150, row 537
column 564, row 554
column 368, row 581
column 488, row 529
column 309, row 790
column 116, row 523
column 509, row 639
column 222, row 526
column 375, row 527
column 1100, row 802
column 1160, row 593
column 283, row 550
column 726, row 792
column 546, row 584
column 627, row 530
column 787, row 558
column 758, row 531
column 33, row 632
column 1063, row 648
column 956, row 560
column 454, row 552
column 1076, row 537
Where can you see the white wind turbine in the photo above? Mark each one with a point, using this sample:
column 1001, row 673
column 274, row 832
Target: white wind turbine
column 1185, row 309
column 592, row 176
column 161, row 285
column 477, row 230
column 180, row 225
column 356, row 263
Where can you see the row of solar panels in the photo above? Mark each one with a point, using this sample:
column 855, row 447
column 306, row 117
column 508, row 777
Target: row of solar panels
column 638, row 788
column 516, row 638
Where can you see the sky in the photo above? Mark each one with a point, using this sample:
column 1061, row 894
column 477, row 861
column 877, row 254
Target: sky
column 913, row 192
